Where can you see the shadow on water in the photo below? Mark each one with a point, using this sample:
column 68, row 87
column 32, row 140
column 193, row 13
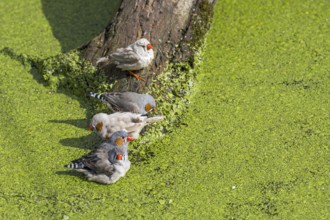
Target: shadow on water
column 75, row 22
column 89, row 141
column 71, row 173
column 79, row 123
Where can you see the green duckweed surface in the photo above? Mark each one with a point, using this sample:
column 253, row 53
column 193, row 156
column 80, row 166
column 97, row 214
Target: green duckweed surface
column 254, row 143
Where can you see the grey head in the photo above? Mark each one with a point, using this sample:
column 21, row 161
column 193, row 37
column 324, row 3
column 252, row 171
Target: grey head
column 148, row 104
column 120, row 138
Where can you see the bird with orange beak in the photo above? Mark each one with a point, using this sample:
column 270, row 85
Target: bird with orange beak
column 108, row 163
column 105, row 125
column 136, row 56
column 127, row 101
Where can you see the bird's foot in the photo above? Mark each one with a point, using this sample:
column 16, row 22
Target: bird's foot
column 137, row 76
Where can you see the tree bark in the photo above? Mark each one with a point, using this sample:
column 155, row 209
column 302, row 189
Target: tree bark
column 175, row 28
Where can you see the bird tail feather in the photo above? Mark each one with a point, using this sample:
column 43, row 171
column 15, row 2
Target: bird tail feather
column 97, row 96
column 75, row 165
column 154, row 119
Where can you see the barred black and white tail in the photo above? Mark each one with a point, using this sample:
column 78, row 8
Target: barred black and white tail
column 97, row 96
column 75, row 165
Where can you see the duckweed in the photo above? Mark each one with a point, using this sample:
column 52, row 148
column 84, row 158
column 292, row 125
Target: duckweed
column 253, row 144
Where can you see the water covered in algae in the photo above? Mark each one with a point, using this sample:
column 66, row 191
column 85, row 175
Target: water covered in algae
column 253, row 145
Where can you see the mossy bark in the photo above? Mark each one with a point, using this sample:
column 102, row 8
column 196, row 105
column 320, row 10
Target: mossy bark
column 175, row 29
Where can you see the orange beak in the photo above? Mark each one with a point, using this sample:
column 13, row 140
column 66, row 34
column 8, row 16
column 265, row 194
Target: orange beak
column 129, row 138
column 119, row 156
column 90, row 128
column 149, row 46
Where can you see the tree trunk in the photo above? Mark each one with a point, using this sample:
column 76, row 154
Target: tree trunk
column 175, row 28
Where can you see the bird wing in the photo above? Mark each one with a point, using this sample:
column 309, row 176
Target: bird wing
column 121, row 120
column 98, row 161
column 113, row 99
column 131, row 107
column 128, row 121
column 136, row 127
column 154, row 119
column 136, row 123
column 125, row 55
column 86, row 162
column 119, row 102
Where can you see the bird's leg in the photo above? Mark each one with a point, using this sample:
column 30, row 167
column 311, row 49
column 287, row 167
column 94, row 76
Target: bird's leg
column 137, row 76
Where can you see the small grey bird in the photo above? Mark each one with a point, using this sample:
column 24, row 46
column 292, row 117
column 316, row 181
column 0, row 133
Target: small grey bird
column 127, row 101
column 134, row 57
column 108, row 163
column 105, row 125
